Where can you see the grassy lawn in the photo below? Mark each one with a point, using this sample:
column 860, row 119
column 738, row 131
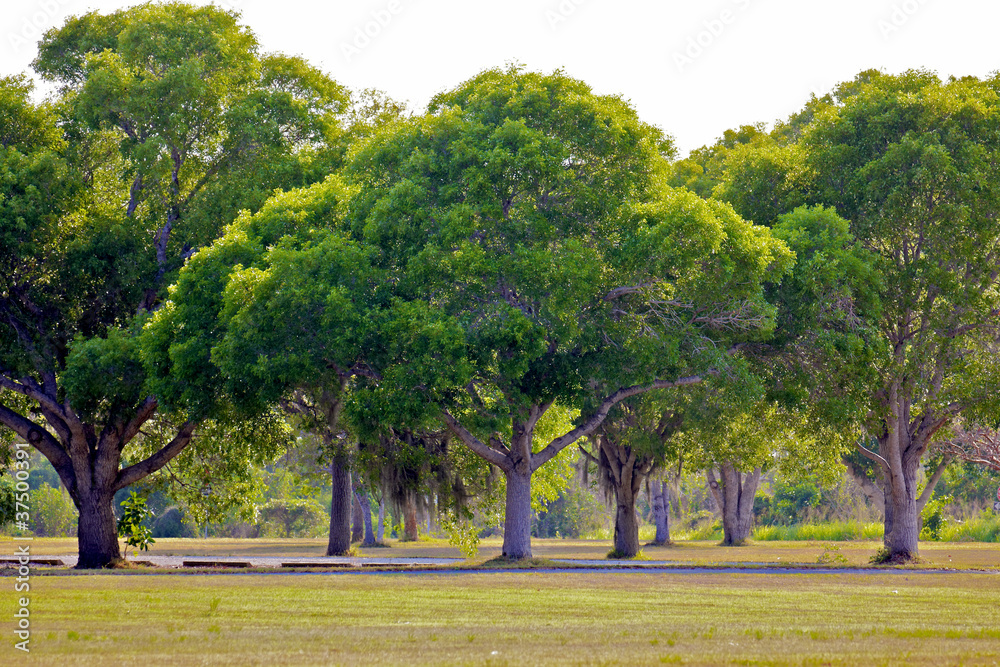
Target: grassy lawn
column 522, row 618
column 959, row 555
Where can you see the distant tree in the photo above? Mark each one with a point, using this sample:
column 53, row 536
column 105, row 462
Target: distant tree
column 909, row 162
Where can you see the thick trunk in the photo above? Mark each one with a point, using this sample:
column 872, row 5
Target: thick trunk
column 661, row 511
column 411, row 531
column 357, row 519
column 735, row 495
column 902, row 516
column 340, row 509
column 626, row 525
column 97, row 532
column 518, row 514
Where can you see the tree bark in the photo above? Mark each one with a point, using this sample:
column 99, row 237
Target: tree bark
column 661, row 511
column 900, row 449
column 734, row 496
column 340, row 509
column 518, row 514
column 97, row 531
column 411, row 531
column 380, row 536
column 626, row 525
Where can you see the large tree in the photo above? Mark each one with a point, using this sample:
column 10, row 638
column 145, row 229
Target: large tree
column 910, row 162
column 104, row 196
column 527, row 224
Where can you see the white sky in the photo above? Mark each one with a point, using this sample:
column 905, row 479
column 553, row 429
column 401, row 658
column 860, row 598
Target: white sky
column 758, row 60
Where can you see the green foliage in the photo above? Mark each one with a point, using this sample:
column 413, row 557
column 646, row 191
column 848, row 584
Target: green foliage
column 8, row 499
column 52, row 512
column 933, row 518
column 831, row 556
column 835, row 531
column 984, row 528
column 462, row 533
column 292, row 518
column 132, row 523
column 574, row 513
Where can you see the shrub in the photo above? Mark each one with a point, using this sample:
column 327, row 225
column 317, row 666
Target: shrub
column 52, row 512
column 292, row 518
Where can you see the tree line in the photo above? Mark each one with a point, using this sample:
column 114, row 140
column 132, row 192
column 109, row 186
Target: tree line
column 206, row 249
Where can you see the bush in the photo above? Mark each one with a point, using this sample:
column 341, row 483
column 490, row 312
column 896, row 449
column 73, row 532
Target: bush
column 52, row 512
column 292, row 518
column 933, row 518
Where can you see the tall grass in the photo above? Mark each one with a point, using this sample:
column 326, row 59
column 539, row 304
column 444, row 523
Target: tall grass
column 834, row 531
column 982, row 528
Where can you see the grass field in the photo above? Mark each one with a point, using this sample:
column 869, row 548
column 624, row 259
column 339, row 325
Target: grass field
column 523, row 618
column 960, row 555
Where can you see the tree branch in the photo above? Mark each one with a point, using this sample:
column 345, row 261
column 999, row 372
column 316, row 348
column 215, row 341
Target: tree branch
column 478, row 447
column 595, row 420
column 134, row 473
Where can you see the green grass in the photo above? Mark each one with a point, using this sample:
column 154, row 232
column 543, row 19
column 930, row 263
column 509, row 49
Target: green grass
column 979, row 529
column 834, row 531
column 516, row 618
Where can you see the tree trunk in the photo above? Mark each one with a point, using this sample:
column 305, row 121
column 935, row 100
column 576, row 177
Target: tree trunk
column 380, row 536
column 410, row 527
column 97, row 532
column 735, row 497
column 357, row 519
column 661, row 511
column 518, row 514
column 340, row 509
column 366, row 512
column 626, row 524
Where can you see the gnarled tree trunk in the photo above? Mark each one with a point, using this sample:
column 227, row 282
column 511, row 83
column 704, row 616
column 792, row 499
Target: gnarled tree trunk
column 88, row 460
column 734, row 495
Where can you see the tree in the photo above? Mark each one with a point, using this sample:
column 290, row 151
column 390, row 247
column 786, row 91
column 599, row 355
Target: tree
column 103, row 196
column 543, row 260
column 632, row 442
column 909, row 161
